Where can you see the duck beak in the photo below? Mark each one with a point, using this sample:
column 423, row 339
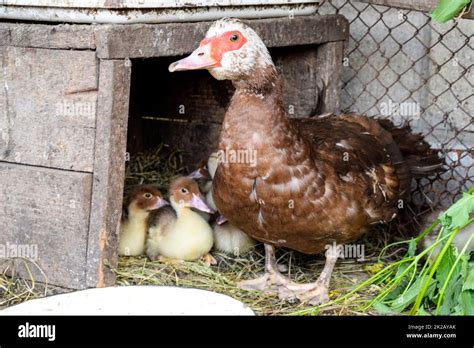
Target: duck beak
column 221, row 219
column 160, row 203
column 201, row 58
column 196, row 174
column 197, row 202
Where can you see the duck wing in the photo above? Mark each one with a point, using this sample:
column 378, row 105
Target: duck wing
column 371, row 153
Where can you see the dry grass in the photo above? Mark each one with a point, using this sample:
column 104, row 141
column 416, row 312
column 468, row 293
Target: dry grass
column 14, row 290
column 157, row 166
column 222, row 278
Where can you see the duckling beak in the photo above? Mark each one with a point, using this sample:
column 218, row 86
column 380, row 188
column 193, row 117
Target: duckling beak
column 221, row 219
column 196, row 174
column 201, row 58
column 160, row 203
column 197, row 202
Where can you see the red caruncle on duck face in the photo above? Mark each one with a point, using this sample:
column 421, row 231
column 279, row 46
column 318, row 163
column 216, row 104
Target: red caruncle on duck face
column 210, row 52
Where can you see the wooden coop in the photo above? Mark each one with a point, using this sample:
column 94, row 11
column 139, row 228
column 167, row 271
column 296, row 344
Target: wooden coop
column 77, row 99
column 70, row 93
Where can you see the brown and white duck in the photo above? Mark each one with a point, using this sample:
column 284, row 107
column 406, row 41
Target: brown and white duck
column 315, row 181
column 133, row 229
column 178, row 232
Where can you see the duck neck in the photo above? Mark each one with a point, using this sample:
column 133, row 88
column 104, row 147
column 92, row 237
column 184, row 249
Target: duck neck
column 137, row 216
column 256, row 117
column 181, row 211
column 263, row 81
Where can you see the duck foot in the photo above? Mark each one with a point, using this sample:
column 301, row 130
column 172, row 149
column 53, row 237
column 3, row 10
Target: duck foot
column 273, row 282
column 168, row 260
column 209, row 260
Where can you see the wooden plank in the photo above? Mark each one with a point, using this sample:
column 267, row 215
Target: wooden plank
column 416, row 5
column 4, row 36
column 47, row 107
column 302, row 82
column 62, row 36
column 46, row 212
column 329, row 69
column 173, row 39
column 109, row 170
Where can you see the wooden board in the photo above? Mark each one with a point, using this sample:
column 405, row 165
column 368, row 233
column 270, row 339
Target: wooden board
column 47, row 107
column 328, row 67
column 62, row 36
column 173, row 39
column 48, row 210
column 109, row 171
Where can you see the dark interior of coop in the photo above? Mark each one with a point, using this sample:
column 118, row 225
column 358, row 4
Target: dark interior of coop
column 186, row 109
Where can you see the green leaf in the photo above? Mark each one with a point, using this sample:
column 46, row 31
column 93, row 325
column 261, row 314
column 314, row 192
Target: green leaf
column 412, row 247
column 406, row 299
column 469, row 281
column 383, row 309
column 448, row 9
column 458, row 214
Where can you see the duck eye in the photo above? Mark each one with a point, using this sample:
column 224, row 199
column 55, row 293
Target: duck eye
column 234, row 37
column 147, row 195
column 183, row 190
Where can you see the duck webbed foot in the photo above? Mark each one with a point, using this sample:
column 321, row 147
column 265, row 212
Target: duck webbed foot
column 209, row 260
column 274, row 282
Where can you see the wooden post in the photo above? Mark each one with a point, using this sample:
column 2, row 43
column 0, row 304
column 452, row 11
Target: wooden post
column 109, row 168
column 329, row 69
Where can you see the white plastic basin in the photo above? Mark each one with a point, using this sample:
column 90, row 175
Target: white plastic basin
column 133, row 300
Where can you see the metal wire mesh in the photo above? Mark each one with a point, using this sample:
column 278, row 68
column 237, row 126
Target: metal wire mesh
column 401, row 65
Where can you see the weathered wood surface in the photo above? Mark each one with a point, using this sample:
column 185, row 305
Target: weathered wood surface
column 62, row 36
column 47, row 107
column 109, row 168
column 167, row 39
column 328, row 67
column 303, row 82
column 48, row 210
column 173, row 39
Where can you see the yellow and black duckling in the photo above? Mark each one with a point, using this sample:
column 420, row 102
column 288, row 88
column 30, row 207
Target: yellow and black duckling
column 178, row 232
column 141, row 201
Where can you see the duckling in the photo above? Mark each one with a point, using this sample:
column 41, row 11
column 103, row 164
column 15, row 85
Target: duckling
column 181, row 233
column 141, row 201
column 227, row 237
column 459, row 241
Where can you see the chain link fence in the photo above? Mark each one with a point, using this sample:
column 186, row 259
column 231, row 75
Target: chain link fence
column 399, row 64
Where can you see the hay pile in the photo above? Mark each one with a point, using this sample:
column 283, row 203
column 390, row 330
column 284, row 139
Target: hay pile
column 222, row 278
column 157, row 166
column 14, row 290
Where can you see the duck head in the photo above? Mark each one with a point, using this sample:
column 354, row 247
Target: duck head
column 145, row 198
column 185, row 193
column 231, row 50
column 206, row 169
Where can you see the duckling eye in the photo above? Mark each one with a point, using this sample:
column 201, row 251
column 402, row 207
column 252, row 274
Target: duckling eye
column 147, row 195
column 183, row 190
column 234, row 37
